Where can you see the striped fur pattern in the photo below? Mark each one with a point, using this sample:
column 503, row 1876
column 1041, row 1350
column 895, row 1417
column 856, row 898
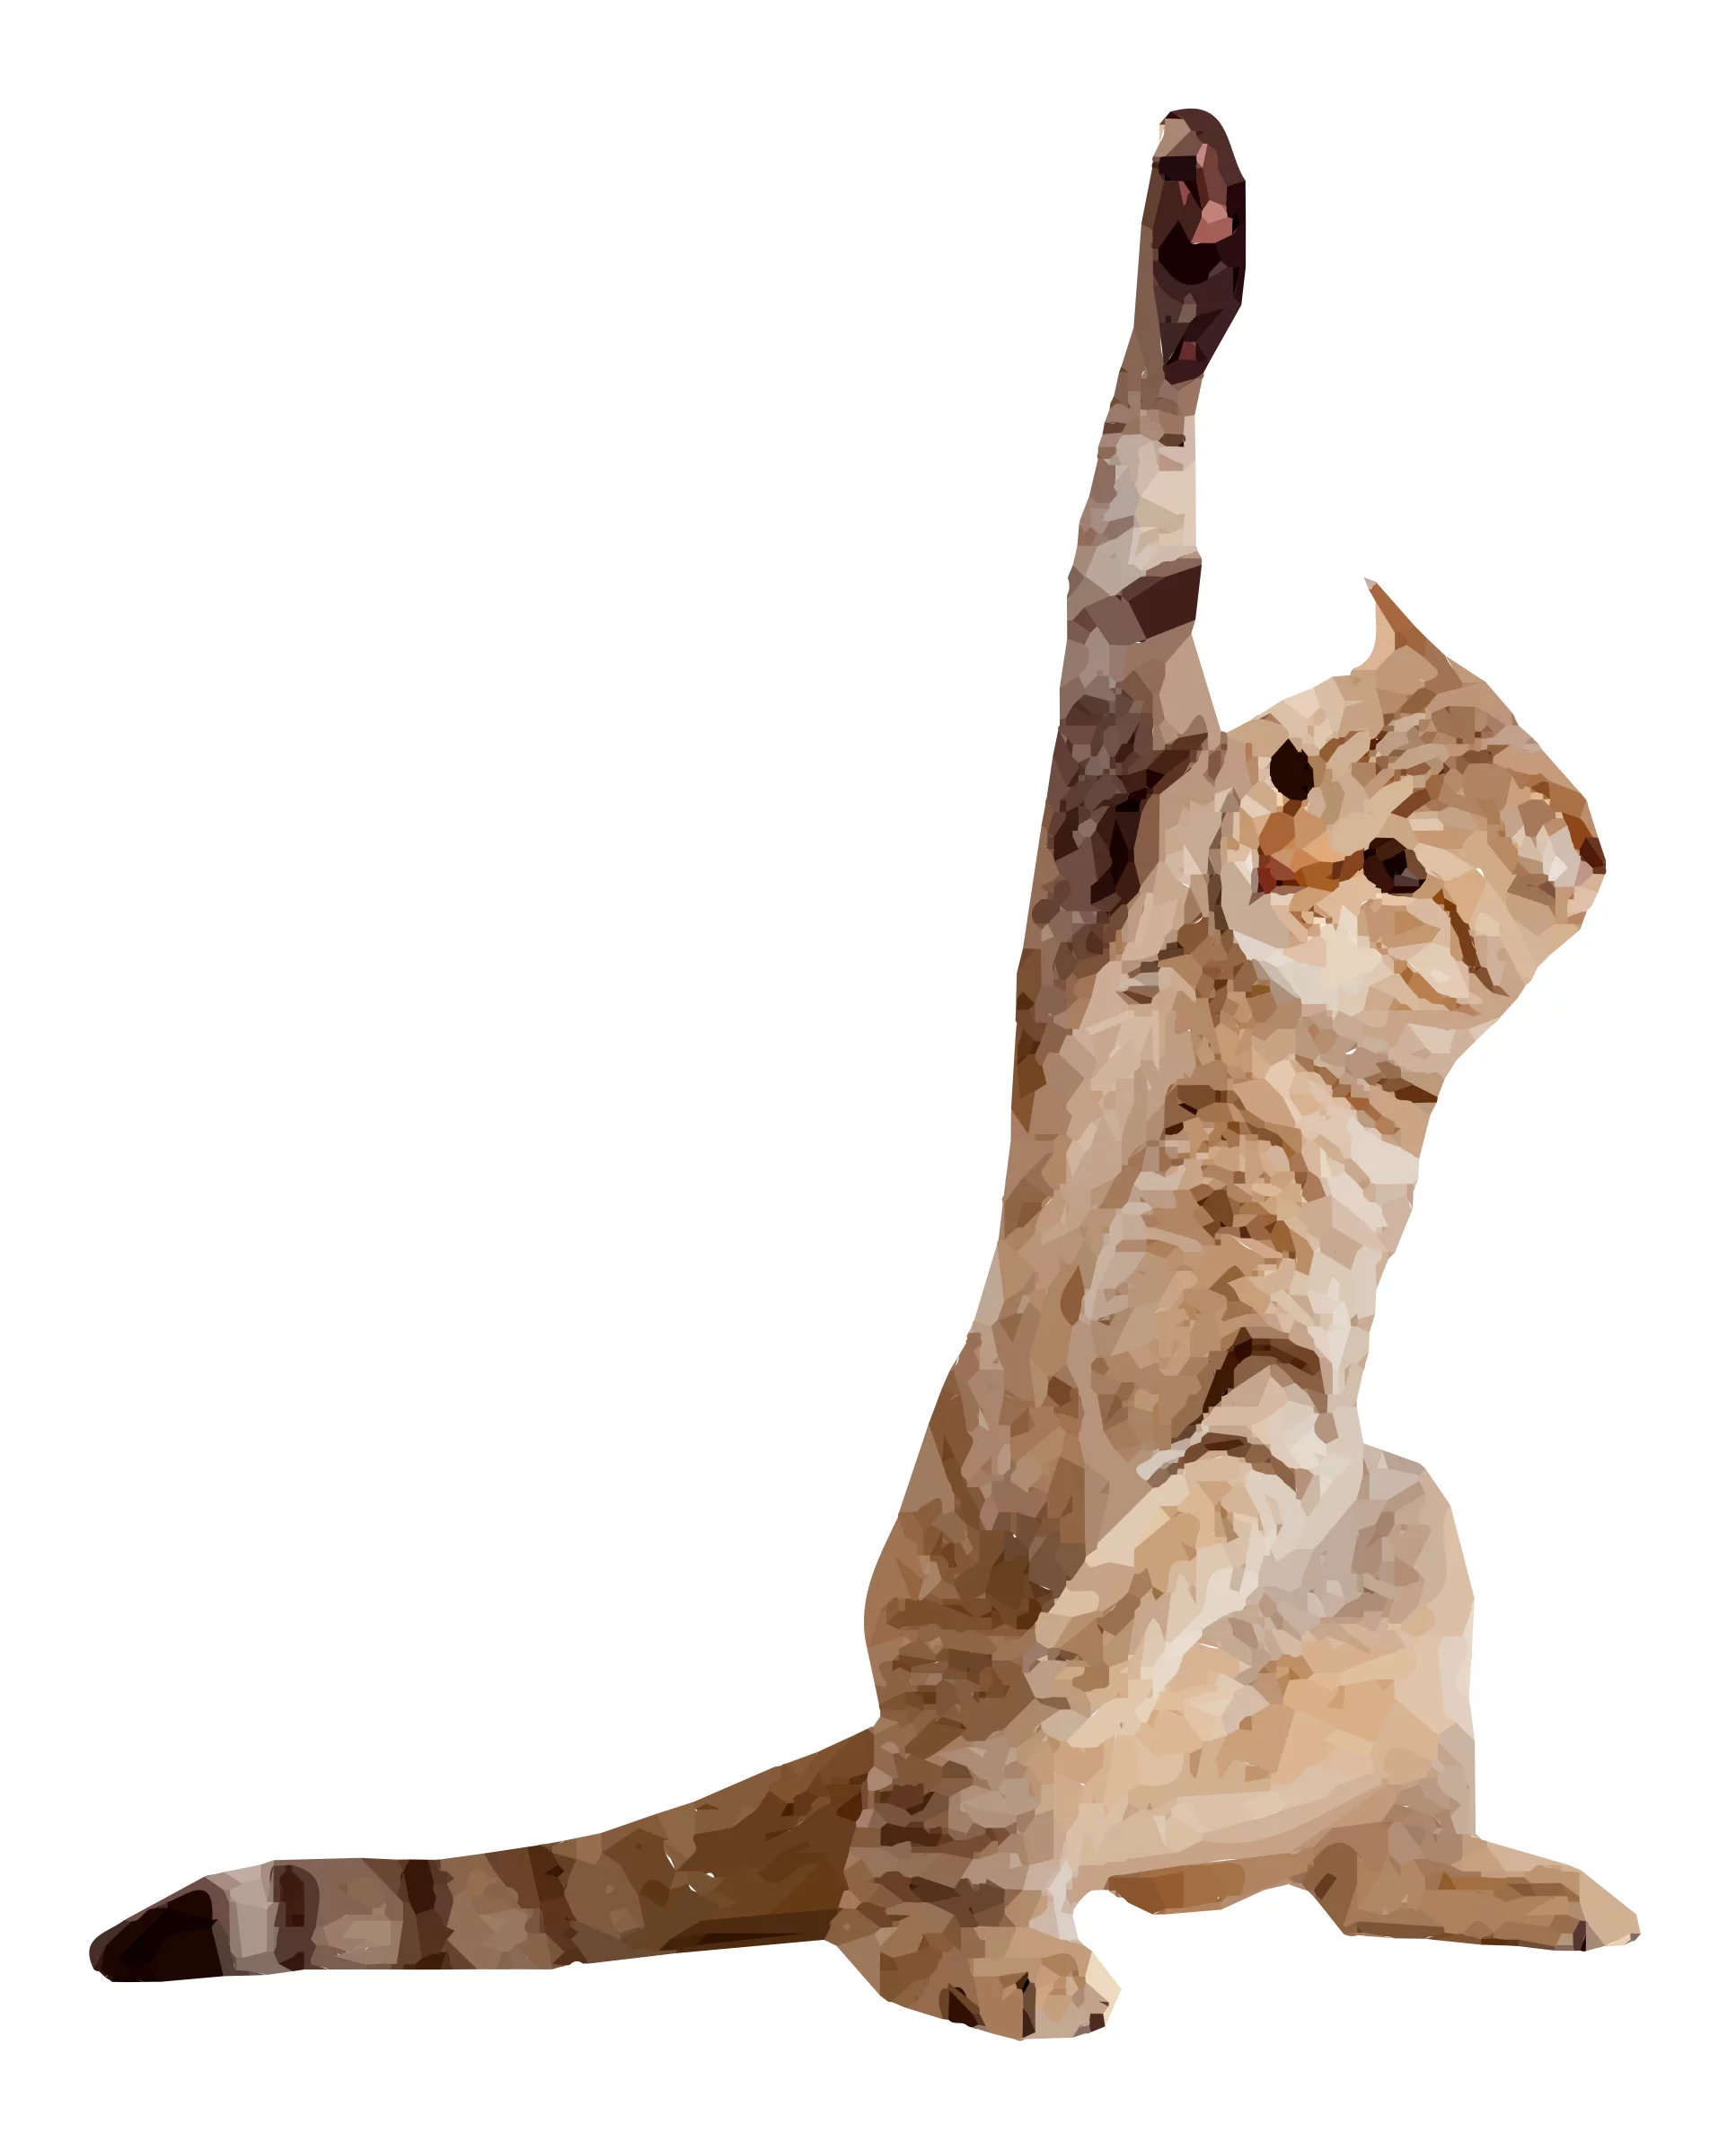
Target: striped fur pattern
column 758, row 1863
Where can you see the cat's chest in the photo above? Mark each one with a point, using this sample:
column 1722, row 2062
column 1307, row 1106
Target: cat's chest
column 1265, row 1189
column 1277, row 1141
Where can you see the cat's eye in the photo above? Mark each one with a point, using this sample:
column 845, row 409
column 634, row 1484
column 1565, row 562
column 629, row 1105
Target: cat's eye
column 1291, row 773
column 1390, row 867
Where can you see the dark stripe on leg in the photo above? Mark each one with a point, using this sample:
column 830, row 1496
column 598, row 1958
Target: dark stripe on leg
column 1164, row 601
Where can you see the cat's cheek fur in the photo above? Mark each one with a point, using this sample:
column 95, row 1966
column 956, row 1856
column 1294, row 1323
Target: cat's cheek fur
column 1314, row 951
column 1515, row 925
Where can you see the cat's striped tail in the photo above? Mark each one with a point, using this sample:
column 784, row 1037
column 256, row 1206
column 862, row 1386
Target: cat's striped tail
column 760, row 1862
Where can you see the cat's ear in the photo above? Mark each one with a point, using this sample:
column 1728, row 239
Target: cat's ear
column 1399, row 644
column 1393, row 632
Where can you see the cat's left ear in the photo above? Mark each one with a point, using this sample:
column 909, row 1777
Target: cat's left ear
column 1394, row 632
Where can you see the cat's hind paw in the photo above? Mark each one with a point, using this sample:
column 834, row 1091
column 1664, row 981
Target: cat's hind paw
column 1483, row 1893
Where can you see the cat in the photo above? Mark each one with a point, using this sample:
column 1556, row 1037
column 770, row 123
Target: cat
column 1153, row 1617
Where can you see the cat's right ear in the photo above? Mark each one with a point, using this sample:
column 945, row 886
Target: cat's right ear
column 1196, row 243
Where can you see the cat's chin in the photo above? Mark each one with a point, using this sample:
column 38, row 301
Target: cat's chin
column 1354, row 1016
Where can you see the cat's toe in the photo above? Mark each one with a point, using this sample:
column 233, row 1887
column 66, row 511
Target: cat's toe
column 1014, row 1982
column 1604, row 1922
column 1065, row 1995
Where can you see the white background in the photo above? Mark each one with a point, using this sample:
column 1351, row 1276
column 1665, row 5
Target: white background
column 534, row 544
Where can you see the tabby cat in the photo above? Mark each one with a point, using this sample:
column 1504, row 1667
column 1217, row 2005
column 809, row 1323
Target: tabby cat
column 1153, row 1619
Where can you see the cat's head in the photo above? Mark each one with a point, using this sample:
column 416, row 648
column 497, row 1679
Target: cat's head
column 1399, row 856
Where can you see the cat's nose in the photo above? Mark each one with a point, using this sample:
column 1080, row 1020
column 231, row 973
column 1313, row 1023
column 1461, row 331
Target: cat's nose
column 1275, row 874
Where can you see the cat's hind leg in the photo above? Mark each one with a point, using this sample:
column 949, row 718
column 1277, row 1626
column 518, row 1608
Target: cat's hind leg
column 1429, row 1888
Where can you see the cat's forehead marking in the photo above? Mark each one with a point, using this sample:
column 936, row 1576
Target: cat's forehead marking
column 1313, row 721
column 1326, row 725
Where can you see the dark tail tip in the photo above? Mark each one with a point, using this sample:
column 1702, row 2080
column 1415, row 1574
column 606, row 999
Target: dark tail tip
column 1198, row 220
column 172, row 1940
